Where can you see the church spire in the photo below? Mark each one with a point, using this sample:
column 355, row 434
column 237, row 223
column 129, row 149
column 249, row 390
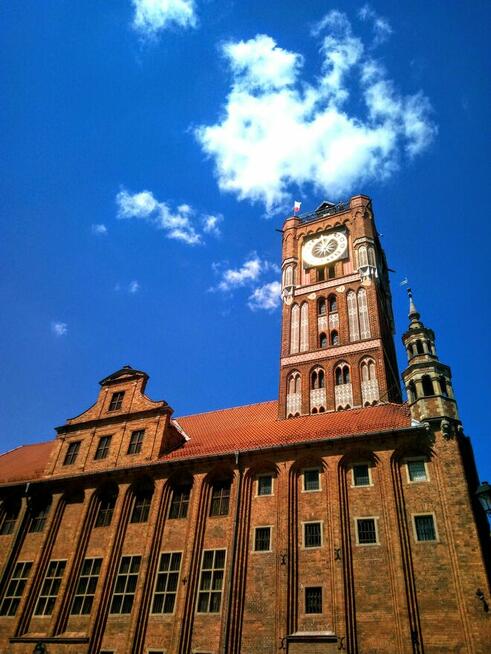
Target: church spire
column 428, row 382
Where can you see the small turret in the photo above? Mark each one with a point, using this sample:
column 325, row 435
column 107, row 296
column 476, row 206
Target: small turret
column 428, row 382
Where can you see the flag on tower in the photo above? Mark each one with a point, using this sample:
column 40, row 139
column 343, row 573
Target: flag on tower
column 296, row 206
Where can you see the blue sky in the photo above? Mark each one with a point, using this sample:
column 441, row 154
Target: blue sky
column 149, row 151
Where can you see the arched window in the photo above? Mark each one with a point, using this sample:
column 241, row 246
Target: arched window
column 294, row 395
column 369, row 383
column 427, row 385
column 363, row 314
column 343, row 392
column 339, row 376
column 362, row 256
column 443, row 386
column 304, row 327
column 317, row 379
column 317, row 390
column 322, row 340
column 334, row 337
column 371, row 256
column 411, row 392
column 288, row 276
column 333, row 303
column 321, row 307
column 419, row 347
column 107, row 496
column 141, row 504
column 342, row 374
column 294, row 328
column 354, row 326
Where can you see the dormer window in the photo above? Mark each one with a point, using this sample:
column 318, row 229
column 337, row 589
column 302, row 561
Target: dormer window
column 116, row 401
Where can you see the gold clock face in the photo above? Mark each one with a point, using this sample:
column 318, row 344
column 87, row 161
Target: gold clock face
column 324, row 249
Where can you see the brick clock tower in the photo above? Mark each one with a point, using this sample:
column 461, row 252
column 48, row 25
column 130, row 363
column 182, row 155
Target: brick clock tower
column 337, row 349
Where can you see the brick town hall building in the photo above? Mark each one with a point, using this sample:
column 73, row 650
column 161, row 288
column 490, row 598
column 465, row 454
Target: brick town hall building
column 337, row 518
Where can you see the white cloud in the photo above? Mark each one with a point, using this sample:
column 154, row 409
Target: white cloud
column 59, row 328
column 381, row 26
column 266, row 297
column 133, row 287
column 211, row 224
column 277, row 130
column 153, row 16
column 176, row 224
column 99, row 230
column 249, row 272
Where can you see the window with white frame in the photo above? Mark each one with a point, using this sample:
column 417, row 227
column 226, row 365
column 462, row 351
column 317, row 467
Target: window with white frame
column 86, row 587
column 265, row 484
column 15, row 588
column 361, row 474
column 366, row 531
column 312, row 534
column 416, row 470
column 125, row 586
column 164, row 598
column 311, row 479
column 211, row 581
column 51, row 586
column 424, row 527
column 262, row 539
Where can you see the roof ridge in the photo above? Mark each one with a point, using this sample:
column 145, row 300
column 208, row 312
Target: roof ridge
column 230, row 408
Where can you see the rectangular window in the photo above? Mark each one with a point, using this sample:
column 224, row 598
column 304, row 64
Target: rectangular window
column 116, row 401
column 125, row 587
column 425, row 527
column 265, row 485
column 50, row 588
column 11, row 512
column 105, row 513
column 71, row 453
column 102, row 448
column 321, row 274
column 313, row 599
column 416, row 470
column 220, row 496
column 136, row 441
column 180, row 502
column 164, row 598
column 366, row 531
column 86, row 587
column 141, row 508
column 311, row 480
column 211, row 581
column 312, row 534
column 332, row 272
column 262, row 539
column 39, row 515
column 15, row 588
column 361, row 475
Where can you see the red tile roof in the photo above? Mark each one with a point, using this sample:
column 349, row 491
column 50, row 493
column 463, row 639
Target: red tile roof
column 240, row 428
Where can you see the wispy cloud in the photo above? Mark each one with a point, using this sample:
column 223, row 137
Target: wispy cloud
column 250, row 274
column 154, row 16
column 99, row 230
column 381, row 26
column 59, row 328
column 131, row 287
column 266, row 297
column 278, row 131
column 182, row 223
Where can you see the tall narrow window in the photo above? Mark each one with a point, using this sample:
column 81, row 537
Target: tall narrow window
column 354, row 327
column 39, row 514
column 363, row 314
column 427, row 385
column 294, row 328
column 136, row 441
column 333, row 303
column 294, row 395
column 334, row 337
column 220, row 497
column 211, row 581
column 322, row 340
column 86, row 587
column 313, row 599
column 369, row 384
column 15, row 588
column 371, row 256
column 262, row 539
column 11, row 509
column 304, row 327
column 331, row 272
column 164, row 598
column 102, row 448
column 321, row 306
column 71, row 453
column 107, row 503
column 321, row 274
column 318, row 379
column 180, row 502
column 362, row 256
column 125, row 587
column 116, row 401
column 141, row 507
column 51, row 586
